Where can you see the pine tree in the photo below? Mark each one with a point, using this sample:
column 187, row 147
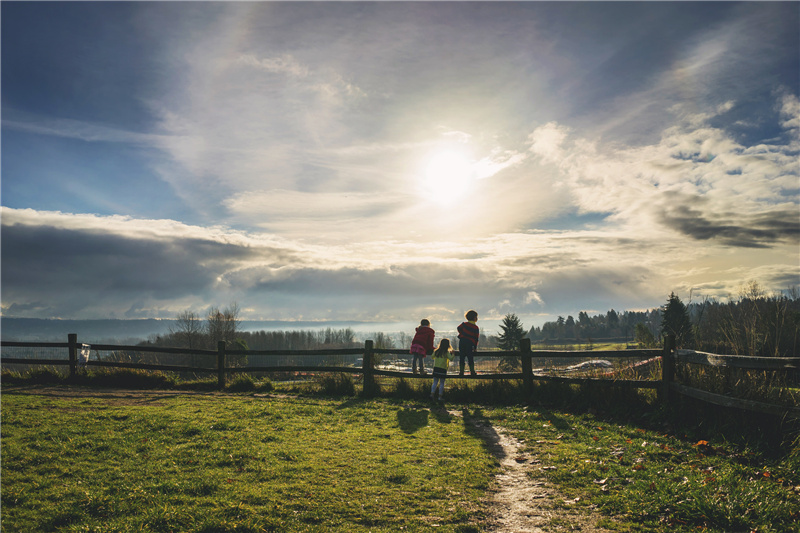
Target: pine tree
column 508, row 340
column 675, row 321
column 512, row 333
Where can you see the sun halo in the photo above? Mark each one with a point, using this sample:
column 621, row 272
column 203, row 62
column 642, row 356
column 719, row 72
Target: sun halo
column 448, row 176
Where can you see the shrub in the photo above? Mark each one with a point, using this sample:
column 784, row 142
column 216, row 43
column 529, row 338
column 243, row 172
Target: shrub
column 246, row 383
column 126, row 379
column 35, row 376
column 337, row 384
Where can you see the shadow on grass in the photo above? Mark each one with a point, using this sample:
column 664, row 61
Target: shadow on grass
column 412, row 420
column 477, row 425
column 441, row 414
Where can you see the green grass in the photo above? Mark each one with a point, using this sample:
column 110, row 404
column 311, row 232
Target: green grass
column 651, row 481
column 204, row 463
column 312, row 462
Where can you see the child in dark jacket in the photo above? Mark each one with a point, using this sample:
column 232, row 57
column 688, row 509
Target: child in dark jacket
column 468, row 336
column 422, row 345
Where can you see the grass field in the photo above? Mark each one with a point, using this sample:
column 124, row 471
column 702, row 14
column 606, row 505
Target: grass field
column 203, row 462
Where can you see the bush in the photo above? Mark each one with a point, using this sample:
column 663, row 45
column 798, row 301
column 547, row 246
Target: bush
column 337, row 384
column 406, row 391
column 246, row 383
column 34, row 376
column 126, row 379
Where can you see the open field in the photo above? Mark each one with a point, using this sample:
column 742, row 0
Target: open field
column 99, row 460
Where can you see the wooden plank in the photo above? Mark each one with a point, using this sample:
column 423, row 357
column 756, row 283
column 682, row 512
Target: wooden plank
column 396, row 374
column 156, row 349
column 738, row 361
column 295, row 368
column 610, row 354
column 145, row 366
column 18, row 344
column 289, row 353
column 727, row 401
column 627, row 383
column 23, row 361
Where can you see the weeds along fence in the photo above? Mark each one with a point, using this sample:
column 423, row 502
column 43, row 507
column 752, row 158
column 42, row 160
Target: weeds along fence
column 718, row 379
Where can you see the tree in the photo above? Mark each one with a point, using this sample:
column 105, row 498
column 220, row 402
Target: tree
column 222, row 325
column 644, row 336
column 509, row 339
column 675, row 321
column 571, row 328
column 512, row 333
column 188, row 329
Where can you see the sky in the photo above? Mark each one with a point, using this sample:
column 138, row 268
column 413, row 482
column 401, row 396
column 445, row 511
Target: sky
column 389, row 161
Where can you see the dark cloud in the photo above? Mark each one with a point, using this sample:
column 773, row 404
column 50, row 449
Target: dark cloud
column 745, row 231
column 66, row 271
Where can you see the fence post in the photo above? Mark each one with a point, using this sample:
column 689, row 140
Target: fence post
column 72, row 339
column 221, row 364
column 667, row 368
column 527, row 364
column 368, row 366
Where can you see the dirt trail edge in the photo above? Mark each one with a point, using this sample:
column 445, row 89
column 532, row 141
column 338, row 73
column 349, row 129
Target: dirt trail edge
column 519, row 502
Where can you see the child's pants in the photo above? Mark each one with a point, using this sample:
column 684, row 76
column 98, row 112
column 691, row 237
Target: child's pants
column 438, row 381
column 421, row 359
column 466, row 350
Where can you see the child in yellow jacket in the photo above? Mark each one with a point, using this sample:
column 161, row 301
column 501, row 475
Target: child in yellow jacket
column 441, row 360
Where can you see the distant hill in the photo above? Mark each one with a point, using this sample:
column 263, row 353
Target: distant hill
column 109, row 331
column 98, row 331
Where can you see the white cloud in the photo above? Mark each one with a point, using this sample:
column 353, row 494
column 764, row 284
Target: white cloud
column 740, row 187
column 546, row 141
column 790, row 112
column 280, row 65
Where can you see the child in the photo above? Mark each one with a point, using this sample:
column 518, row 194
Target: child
column 441, row 360
column 468, row 335
column 422, row 345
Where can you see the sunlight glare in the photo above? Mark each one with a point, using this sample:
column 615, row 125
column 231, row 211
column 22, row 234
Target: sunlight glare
column 448, row 177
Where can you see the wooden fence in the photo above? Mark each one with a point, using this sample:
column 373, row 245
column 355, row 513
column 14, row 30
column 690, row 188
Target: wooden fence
column 536, row 365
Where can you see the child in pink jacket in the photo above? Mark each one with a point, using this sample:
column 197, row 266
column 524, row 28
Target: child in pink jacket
column 422, row 345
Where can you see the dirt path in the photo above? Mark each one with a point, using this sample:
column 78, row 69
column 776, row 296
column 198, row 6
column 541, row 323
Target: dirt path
column 520, row 501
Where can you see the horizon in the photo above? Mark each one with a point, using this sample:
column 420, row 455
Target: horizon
column 386, row 161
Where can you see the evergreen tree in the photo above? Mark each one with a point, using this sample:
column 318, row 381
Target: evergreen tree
column 675, row 321
column 644, row 336
column 512, row 333
column 508, row 340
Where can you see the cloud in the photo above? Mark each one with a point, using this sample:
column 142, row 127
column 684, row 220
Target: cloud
column 696, row 180
column 546, row 141
column 756, row 230
column 84, row 266
column 75, row 129
column 279, row 65
column 790, row 112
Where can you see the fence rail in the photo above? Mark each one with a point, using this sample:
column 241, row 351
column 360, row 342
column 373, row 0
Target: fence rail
column 536, row 365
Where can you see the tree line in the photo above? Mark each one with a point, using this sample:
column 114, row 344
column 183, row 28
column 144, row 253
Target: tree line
column 752, row 324
column 755, row 324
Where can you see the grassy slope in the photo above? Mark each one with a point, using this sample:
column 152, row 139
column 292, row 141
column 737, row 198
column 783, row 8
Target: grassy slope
column 652, row 481
column 201, row 463
column 243, row 464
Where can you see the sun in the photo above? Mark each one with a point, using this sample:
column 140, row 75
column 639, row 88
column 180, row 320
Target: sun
column 448, row 176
